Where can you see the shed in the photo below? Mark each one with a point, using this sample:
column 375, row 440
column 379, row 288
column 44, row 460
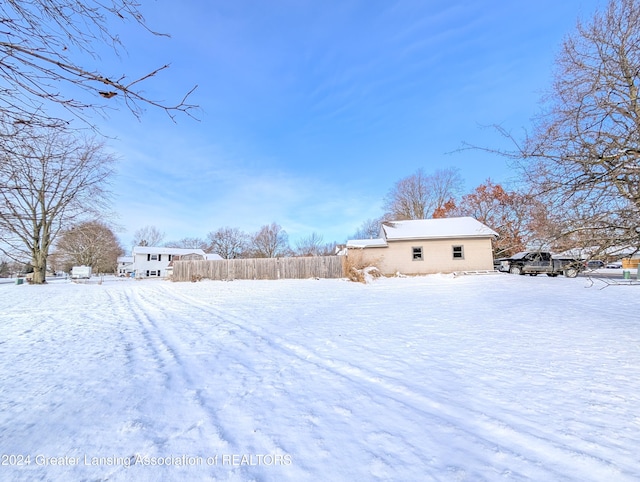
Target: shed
column 427, row 246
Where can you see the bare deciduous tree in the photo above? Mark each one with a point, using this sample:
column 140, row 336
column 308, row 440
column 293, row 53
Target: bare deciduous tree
column 91, row 243
column 189, row 243
column 271, row 241
column 328, row 249
column 148, row 236
column 41, row 44
column 419, row 195
column 311, row 245
column 369, row 229
column 583, row 156
column 48, row 180
column 229, row 243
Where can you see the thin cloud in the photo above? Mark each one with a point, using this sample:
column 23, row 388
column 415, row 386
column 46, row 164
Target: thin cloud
column 312, row 110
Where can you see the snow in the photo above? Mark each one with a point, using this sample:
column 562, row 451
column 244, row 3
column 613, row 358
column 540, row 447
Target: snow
column 495, row 377
column 436, row 228
column 367, row 243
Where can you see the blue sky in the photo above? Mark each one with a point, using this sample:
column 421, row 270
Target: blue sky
column 311, row 110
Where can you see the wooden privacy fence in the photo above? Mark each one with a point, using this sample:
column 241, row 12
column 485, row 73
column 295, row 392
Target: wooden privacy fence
column 259, row 268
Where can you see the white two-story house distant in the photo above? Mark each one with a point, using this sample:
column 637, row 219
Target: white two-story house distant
column 153, row 261
column 125, row 265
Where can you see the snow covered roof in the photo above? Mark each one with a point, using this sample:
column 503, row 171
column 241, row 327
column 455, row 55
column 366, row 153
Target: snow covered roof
column 164, row 250
column 125, row 259
column 212, row 256
column 367, row 243
column 463, row 227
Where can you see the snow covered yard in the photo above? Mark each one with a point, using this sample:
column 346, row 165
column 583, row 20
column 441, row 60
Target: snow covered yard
column 441, row 378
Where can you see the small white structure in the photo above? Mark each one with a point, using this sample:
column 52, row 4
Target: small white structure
column 154, row 261
column 81, row 272
column 427, row 246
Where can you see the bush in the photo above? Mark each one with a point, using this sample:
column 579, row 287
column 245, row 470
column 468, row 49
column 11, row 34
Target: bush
column 358, row 270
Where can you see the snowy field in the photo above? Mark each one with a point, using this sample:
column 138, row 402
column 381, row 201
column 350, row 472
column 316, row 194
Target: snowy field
column 443, row 378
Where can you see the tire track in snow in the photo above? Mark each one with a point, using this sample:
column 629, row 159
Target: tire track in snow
column 524, row 439
column 353, row 377
column 171, row 350
column 167, row 381
column 439, row 414
column 163, row 327
column 175, row 369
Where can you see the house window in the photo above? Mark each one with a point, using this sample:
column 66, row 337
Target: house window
column 416, row 253
column 458, row 252
column 153, row 257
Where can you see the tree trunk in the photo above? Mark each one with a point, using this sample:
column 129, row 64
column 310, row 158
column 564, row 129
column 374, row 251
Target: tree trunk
column 39, row 268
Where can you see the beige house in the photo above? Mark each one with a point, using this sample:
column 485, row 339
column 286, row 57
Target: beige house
column 427, row 246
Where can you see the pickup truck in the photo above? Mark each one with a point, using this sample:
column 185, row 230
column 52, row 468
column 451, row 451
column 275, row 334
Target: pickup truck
column 535, row 262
